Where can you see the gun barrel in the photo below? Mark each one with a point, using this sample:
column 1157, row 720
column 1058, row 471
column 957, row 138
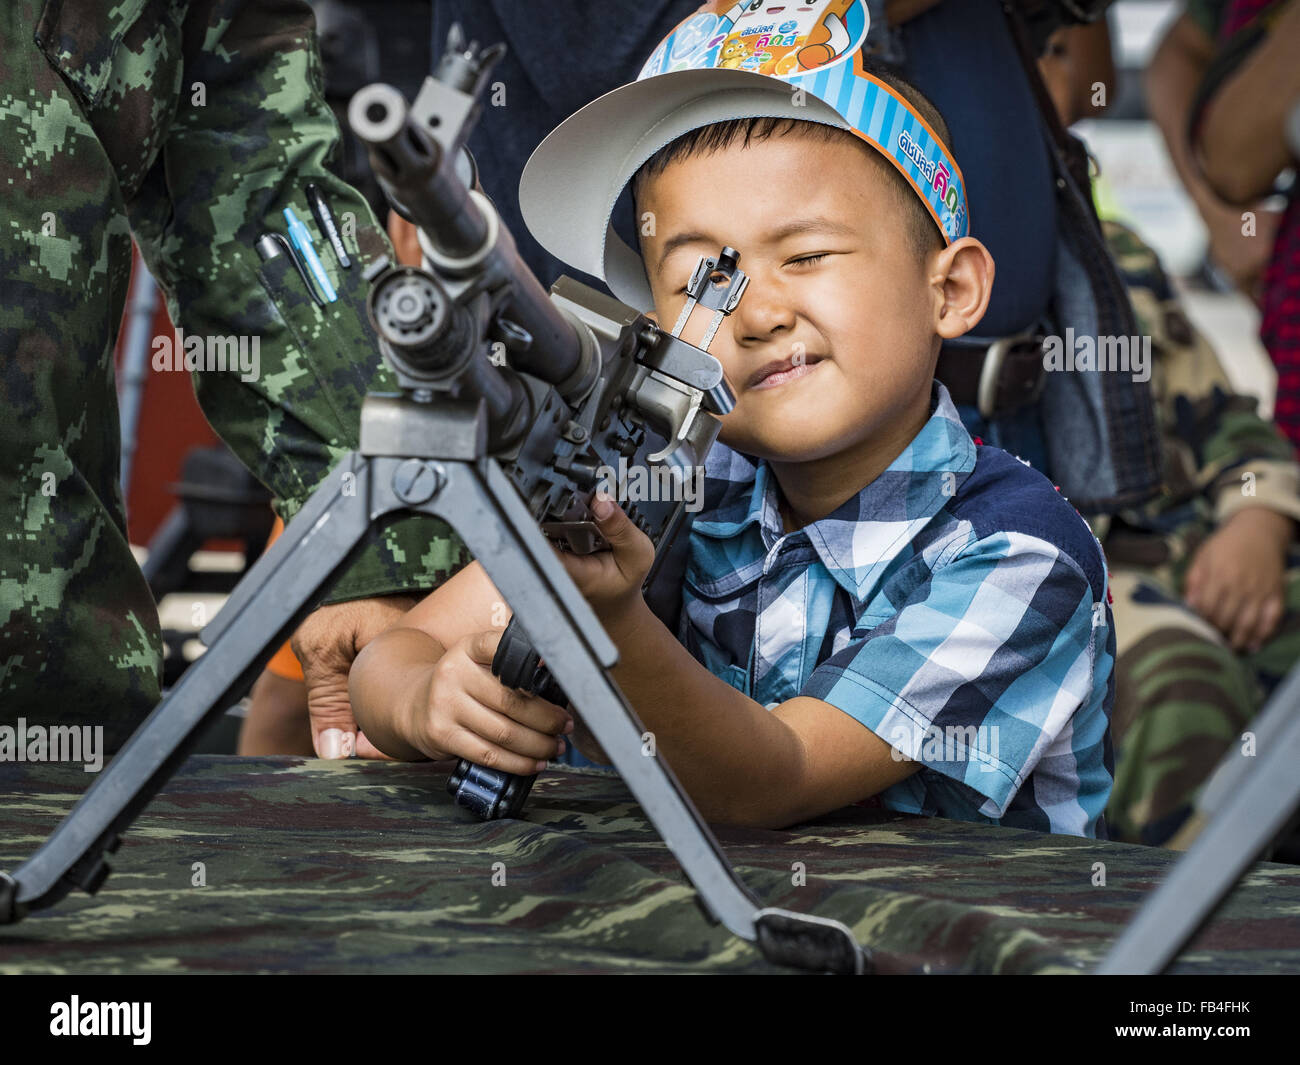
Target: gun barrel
column 461, row 233
column 410, row 168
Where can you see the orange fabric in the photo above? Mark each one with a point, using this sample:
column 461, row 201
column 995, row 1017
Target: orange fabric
column 283, row 663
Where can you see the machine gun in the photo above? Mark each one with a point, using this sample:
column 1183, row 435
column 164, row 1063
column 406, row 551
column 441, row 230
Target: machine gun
column 569, row 411
column 495, row 446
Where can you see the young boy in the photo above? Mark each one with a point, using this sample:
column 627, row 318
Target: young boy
column 874, row 605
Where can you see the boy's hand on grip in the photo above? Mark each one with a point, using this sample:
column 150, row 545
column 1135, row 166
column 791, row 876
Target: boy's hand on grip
column 468, row 713
column 611, row 579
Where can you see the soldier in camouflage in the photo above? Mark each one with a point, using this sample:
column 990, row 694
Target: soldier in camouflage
column 188, row 125
column 1206, row 577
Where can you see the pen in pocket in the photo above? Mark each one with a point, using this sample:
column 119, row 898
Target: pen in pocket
column 325, row 219
column 270, row 245
column 300, row 238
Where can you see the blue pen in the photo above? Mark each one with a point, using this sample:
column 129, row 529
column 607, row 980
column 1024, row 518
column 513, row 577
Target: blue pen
column 301, row 238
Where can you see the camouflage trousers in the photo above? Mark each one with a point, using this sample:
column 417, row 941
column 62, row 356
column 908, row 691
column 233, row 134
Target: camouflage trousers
column 1183, row 699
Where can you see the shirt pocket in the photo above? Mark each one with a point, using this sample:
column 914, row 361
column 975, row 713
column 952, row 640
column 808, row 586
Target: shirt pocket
column 291, row 300
column 123, row 66
column 81, row 38
column 335, row 351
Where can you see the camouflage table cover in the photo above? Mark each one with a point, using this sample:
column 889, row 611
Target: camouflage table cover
column 311, row 866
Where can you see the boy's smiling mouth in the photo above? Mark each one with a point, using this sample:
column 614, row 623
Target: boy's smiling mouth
column 779, row 371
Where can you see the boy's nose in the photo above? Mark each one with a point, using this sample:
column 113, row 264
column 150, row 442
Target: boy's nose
column 763, row 312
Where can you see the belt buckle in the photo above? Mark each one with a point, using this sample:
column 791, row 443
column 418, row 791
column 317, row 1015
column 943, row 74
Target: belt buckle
column 995, row 357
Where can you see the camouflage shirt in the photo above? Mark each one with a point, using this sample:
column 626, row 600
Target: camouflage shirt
column 190, row 125
column 1220, row 456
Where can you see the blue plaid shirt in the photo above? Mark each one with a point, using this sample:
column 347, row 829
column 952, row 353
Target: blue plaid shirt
column 956, row 606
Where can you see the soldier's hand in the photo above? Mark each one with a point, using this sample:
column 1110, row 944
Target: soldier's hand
column 1237, row 578
column 326, row 644
column 469, row 713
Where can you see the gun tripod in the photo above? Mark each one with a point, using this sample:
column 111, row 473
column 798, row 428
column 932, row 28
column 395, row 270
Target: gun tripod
column 460, row 483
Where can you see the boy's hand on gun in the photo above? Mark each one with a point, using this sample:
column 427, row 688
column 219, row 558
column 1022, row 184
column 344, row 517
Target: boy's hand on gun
column 425, row 688
column 611, row 579
column 466, row 712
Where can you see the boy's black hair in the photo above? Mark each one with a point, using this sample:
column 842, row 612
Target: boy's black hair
column 924, row 234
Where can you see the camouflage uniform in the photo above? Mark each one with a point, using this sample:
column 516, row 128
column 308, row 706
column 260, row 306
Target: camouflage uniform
column 1183, row 696
column 188, row 125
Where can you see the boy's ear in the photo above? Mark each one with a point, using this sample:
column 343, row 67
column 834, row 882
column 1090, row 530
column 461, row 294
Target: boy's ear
column 962, row 275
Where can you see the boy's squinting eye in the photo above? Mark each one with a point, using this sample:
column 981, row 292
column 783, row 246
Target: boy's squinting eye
column 806, row 259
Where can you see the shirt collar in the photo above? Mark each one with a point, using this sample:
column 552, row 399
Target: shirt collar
column 863, row 534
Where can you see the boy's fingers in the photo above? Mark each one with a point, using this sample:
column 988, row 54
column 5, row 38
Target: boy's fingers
column 366, row 749
column 475, row 748
column 531, row 711
column 617, row 527
column 497, row 730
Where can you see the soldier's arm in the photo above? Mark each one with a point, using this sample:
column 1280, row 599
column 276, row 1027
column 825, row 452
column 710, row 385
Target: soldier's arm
column 251, row 129
column 1238, row 458
column 1241, row 142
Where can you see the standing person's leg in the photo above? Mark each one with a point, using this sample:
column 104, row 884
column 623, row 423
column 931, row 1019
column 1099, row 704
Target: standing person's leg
column 79, row 637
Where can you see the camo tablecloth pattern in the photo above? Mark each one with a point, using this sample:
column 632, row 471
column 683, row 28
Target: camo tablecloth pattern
column 310, row 866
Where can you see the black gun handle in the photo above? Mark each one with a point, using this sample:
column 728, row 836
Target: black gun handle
column 490, row 793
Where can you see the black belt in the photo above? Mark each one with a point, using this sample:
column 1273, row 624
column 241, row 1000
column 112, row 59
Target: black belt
column 996, row 378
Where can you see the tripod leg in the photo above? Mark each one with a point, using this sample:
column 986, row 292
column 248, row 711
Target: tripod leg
column 484, row 508
column 268, row 604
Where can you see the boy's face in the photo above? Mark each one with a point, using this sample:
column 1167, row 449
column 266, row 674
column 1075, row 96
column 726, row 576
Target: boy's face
column 861, row 319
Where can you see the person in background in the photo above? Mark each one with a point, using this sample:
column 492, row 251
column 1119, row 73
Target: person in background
column 1206, row 577
column 1239, row 140
column 1173, row 76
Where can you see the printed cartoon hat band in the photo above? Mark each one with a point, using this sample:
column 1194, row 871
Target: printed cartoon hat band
column 817, row 50
column 573, row 180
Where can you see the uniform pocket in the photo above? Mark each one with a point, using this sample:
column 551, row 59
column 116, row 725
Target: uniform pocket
column 290, row 297
column 80, row 38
